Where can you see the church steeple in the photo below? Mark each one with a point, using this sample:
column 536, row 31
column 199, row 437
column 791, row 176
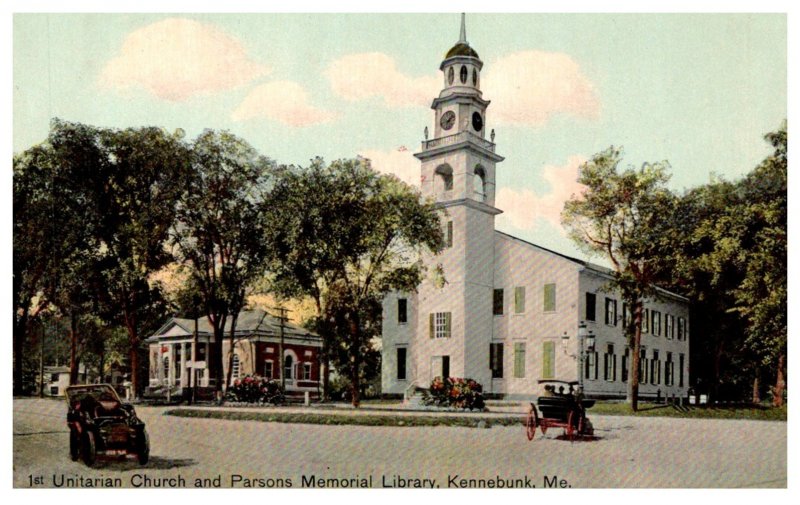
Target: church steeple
column 463, row 38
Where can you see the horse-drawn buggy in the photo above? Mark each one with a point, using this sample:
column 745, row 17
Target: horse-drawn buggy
column 561, row 405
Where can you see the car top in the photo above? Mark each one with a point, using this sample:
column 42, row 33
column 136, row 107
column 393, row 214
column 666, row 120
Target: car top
column 83, row 390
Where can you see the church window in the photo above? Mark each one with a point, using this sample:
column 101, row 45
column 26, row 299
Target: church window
column 519, row 360
column 655, row 369
column 549, row 297
column 475, row 77
column 463, row 74
column 479, row 184
column 610, row 364
column 669, row 371
column 401, row 363
column 655, row 325
column 450, row 76
column 611, row 312
column 548, row 360
column 591, row 306
column 439, row 324
column 402, row 311
column 497, row 302
column 519, row 299
column 448, row 235
column 590, row 365
column 496, row 360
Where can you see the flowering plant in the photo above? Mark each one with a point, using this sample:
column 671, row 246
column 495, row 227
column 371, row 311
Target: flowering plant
column 454, row 392
column 255, row 389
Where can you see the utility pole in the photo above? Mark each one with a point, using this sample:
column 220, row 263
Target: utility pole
column 281, row 363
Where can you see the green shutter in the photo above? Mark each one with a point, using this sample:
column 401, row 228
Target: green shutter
column 431, row 326
column 447, row 317
column 549, row 297
column 548, row 360
column 519, row 299
column 519, row 360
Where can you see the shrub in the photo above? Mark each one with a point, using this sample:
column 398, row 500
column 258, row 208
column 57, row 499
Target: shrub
column 454, row 392
column 255, row 389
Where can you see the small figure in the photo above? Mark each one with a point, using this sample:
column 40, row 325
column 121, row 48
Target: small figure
column 549, row 390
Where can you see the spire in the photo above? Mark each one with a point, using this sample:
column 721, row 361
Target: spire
column 463, row 38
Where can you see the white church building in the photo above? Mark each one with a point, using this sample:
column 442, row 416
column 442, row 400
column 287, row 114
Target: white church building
column 508, row 312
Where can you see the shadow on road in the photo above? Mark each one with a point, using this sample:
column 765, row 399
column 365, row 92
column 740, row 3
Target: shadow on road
column 155, row 463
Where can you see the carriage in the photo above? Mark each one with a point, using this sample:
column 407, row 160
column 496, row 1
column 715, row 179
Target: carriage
column 100, row 423
column 562, row 406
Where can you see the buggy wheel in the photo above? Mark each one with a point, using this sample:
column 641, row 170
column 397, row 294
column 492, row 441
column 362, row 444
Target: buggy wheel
column 570, row 428
column 531, row 422
column 74, row 444
column 143, row 448
column 89, row 448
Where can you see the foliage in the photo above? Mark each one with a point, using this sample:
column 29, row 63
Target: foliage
column 219, row 234
column 345, row 236
column 454, row 392
column 256, row 389
column 621, row 216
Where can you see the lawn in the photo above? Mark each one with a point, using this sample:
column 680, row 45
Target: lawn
column 361, row 419
column 754, row 412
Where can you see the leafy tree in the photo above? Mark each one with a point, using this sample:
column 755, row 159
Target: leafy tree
column 730, row 238
column 345, row 236
column 219, row 234
column 621, row 216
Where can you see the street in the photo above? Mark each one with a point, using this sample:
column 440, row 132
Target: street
column 631, row 452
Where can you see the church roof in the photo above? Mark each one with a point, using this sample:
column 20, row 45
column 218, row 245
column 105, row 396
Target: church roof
column 461, row 49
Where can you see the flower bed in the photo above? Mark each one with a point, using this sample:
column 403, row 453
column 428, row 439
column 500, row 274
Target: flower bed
column 255, row 389
column 454, row 392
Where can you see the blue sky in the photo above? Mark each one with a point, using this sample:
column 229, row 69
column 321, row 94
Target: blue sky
column 698, row 90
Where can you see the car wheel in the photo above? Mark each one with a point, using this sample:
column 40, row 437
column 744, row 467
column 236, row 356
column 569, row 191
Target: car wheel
column 74, row 445
column 143, row 452
column 89, row 449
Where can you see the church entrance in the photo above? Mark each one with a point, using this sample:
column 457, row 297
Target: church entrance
column 440, row 367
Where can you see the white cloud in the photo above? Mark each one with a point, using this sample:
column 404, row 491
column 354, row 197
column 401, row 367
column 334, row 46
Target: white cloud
column 283, row 101
column 360, row 76
column 400, row 162
column 522, row 207
column 176, row 59
column 528, row 87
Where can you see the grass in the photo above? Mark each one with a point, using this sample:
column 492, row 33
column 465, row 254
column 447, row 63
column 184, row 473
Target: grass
column 476, row 421
column 753, row 412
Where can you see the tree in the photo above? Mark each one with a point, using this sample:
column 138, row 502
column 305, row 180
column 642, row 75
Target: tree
column 219, row 234
column 345, row 236
column 621, row 216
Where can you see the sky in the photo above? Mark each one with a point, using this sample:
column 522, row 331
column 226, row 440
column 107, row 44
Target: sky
column 697, row 90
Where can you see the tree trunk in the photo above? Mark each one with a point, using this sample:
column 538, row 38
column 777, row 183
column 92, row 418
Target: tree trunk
column 20, row 332
column 633, row 375
column 780, row 384
column 231, row 341
column 73, row 350
column 355, row 381
column 756, row 395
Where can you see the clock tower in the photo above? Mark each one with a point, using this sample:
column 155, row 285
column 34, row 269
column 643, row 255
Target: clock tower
column 458, row 172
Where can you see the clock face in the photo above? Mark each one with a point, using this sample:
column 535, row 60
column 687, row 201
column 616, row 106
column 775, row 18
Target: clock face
column 448, row 119
column 477, row 121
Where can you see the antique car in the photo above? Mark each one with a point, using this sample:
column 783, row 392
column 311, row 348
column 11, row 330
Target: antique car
column 100, row 423
column 560, row 405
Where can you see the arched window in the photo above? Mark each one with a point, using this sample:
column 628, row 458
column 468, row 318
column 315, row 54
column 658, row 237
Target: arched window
column 475, row 77
column 464, row 73
column 444, row 179
column 479, row 184
column 288, row 367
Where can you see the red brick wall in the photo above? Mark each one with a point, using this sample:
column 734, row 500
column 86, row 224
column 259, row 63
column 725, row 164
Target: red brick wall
column 262, row 356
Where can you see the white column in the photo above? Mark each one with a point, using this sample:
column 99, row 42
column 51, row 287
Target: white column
column 183, row 364
column 172, row 363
